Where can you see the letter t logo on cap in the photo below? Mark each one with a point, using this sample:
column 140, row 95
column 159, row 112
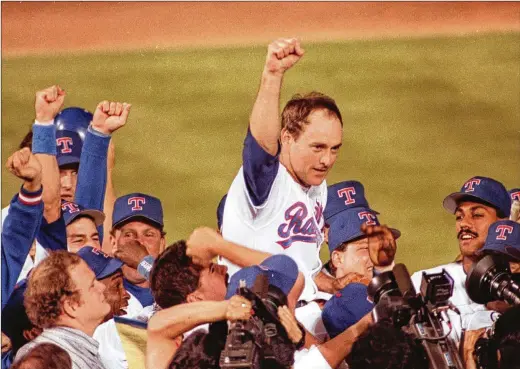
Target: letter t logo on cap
column 369, row 217
column 136, row 203
column 468, row 186
column 503, row 229
column 347, row 192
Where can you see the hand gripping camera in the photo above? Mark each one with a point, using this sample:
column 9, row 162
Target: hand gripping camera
column 248, row 342
column 423, row 315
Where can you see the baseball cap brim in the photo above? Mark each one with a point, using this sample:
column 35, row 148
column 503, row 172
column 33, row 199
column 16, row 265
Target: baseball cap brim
column 331, row 218
column 96, row 215
column 138, row 217
column 507, row 250
column 112, row 266
column 450, row 203
column 67, row 159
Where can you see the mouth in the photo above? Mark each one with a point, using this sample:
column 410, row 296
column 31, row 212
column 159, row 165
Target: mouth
column 467, row 236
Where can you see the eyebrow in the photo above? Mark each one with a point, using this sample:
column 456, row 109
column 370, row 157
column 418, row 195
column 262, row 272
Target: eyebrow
column 473, row 208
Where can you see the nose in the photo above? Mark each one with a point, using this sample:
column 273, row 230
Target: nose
column 66, row 182
column 326, row 159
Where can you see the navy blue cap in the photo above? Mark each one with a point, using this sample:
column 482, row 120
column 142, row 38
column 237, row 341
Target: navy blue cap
column 101, row 264
column 137, row 205
column 220, row 211
column 71, row 211
column 343, row 196
column 345, row 308
column 504, row 237
column 74, row 119
column 281, row 271
column 481, row 188
column 14, row 317
column 346, row 226
column 514, row 194
column 68, row 147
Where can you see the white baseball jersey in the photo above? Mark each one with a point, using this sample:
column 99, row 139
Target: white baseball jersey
column 474, row 316
column 267, row 210
column 111, row 349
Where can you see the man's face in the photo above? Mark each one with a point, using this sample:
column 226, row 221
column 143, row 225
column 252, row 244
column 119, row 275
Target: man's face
column 314, row 152
column 68, row 178
column 115, row 293
column 213, row 282
column 93, row 306
column 355, row 259
column 82, row 232
column 146, row 234
column 472, row 221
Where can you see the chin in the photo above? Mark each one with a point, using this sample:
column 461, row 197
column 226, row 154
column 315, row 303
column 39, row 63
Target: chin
column 470, row 250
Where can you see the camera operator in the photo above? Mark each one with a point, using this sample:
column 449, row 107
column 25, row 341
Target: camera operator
column 383, row 346
column 480, row 202
column 498, row 348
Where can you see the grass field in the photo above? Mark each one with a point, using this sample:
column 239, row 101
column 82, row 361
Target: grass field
column 421, row 116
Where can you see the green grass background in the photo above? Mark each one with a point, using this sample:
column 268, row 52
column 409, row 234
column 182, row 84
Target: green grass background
column 421, row 117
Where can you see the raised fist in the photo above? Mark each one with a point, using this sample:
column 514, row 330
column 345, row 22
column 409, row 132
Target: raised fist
column 48, row 103
column 26, row 166
column 381, row 244
column 110, row 116
column 200, row 245
column 282, row 54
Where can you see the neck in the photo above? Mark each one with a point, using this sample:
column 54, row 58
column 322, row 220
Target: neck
column 86, row 327
column 467, row 263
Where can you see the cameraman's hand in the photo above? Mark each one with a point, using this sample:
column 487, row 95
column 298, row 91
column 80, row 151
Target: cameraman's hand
column 381, row 244
column 239, row 308
column 470, row 338
column 289, row 323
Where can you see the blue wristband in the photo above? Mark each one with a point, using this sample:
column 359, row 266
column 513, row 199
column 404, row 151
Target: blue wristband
column 145, row 266
column 96, row 132
column 44, row 139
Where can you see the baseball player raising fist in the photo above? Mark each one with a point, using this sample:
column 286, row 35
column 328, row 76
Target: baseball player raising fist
column 275, row 204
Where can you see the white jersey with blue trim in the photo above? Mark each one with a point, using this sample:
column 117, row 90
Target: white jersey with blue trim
column 289, row 221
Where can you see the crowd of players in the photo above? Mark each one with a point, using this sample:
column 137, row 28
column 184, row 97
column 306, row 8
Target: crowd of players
column 74, row 257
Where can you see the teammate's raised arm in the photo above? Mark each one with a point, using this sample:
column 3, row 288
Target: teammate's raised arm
column 265, row 127
column 47, row 105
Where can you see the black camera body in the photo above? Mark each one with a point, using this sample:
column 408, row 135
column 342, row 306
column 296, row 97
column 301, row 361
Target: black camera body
column 249, row 342
column 421, row 315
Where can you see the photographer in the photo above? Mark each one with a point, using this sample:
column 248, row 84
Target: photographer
column 383, row 346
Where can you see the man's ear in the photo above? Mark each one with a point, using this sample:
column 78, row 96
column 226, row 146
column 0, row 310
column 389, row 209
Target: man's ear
column 195, row 296
column 336, row 258
column 285, row 136
column 162, row 246
column 70, row 308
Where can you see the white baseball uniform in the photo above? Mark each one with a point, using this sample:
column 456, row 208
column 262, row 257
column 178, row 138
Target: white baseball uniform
column 267, row 210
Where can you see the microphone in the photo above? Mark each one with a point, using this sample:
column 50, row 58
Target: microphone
column 404, row 283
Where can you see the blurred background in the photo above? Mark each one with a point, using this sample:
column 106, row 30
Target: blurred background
column 429, row 92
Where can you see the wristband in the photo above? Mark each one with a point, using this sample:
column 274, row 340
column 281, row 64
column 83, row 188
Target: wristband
column 96, row 132
column 145, row 266
column 44, row 139
column 30, row 198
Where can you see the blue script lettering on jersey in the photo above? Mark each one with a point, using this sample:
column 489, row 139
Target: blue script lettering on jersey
column 297, row 228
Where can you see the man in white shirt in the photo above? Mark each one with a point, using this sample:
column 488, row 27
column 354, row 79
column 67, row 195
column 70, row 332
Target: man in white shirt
column 480, row 202
column 275, row 203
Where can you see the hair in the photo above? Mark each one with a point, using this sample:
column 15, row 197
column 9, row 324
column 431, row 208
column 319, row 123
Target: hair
column 298, row 109
column 49, row 285
column 506, row 338
column 174, row 276
column 383, row 346
column 44, row 356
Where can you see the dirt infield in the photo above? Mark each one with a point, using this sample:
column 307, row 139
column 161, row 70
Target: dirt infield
column 41, row 28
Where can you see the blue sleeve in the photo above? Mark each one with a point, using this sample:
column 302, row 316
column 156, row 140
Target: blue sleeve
column 92, row 174
column 7, row 359
column 260, row 169
column 53, row 236
column 18, row 232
